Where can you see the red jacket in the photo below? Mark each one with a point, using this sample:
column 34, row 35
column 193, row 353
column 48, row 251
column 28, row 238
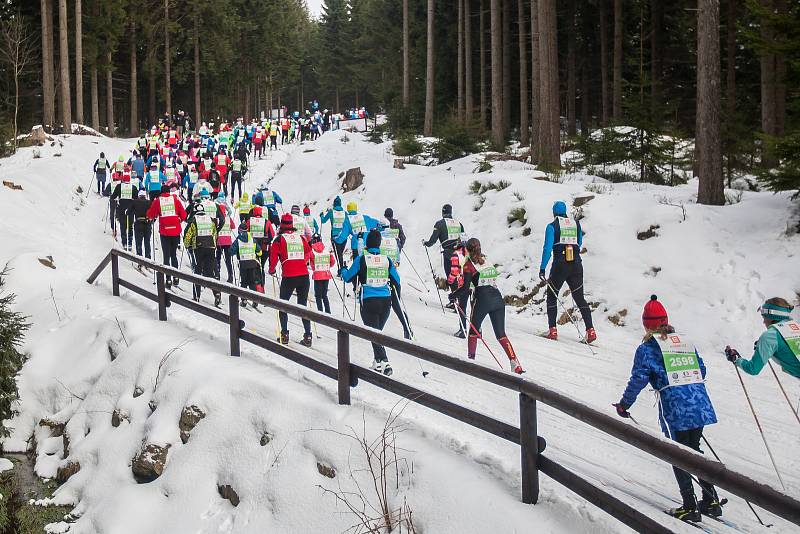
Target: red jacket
column 168, row 225
column 289, row 267
column 324, row 273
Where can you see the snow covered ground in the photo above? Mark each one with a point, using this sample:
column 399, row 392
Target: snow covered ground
column 711, row 271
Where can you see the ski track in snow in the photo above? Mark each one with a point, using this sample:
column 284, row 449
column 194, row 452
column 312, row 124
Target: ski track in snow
column 717, row 267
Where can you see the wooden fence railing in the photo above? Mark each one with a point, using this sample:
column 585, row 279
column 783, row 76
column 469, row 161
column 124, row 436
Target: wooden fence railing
column 532, row 446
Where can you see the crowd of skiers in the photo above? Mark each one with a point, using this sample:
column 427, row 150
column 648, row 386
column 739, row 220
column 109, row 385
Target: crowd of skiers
column 183, row 179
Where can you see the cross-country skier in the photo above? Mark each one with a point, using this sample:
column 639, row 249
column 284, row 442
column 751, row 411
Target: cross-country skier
column 563, row 239
column 448, row 232
column 390, row 247
column 170, row 214
column 201, row 237
column 336, row 215
column 100, row 168
column 124, row 194
column 488, row 301
column 153, row 180
column 142, row 226
column 244, row 248
column 377, row 275
column 293, row 252
column 269, row 199
column 322, row 260
column 224, row 241
column 780, row 341
column 455, row 280
column 671, row 365
column 356, row 226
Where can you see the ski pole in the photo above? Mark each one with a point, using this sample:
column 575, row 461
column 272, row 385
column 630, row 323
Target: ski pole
column 341, row 296
column 91, row 183
column 415, row 271
column 411, row 331
column 478, row 334
column 785, row 396
column 571, row 318
column 434, row 280
column 718, row 459
column 758, row 424
column 277, row 319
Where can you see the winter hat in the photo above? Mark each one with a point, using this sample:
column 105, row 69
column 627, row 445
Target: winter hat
column 142, row 193
column 221, row 196
column 257, row 211
column 352, row 206
column 775, row 312
column 204, row 193
column 295, row 209
column 389, row 213
column 447, row 210
column 337, row 202
column 654, row 314
column 164, row 189
column 200, row 209
column 306, row 210
column 559, row 208
column 373, row 239
column 287, row 222
column 316, row 238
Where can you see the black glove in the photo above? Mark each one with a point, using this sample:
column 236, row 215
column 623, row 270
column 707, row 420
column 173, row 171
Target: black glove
column 622, row 411
column 732, row 354
column 452, row 297
column 541, row 275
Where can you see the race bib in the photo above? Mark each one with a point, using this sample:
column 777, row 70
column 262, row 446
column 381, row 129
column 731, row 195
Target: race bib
column 193, row 177
column 389, row 248
column 247, row 251
column 377, row 270
column 126, row 191
column 299, row 223
column 167, row 205
column 680, row 361
column 338, row 219
column 790, row 331
column 568, row 230
column 204, row 228
column 453, row 229
column 488, row 274
column 357, row 223
column 294, row 247
column 237, row 165
column 227, row 230
column 210, row 208
column 269, row 199
column 322, row 261
column 257, row 226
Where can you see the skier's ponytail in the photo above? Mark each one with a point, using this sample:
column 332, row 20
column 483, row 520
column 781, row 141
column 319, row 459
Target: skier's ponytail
column 474, row 250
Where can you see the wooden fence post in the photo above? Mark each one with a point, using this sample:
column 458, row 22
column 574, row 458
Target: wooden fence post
column 162, row 296
column 343, row 350
column 114, row 275
column 233, row 307
column 529, row 449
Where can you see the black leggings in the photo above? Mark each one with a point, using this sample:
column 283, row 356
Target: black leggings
column 491, row 305
column 691, row 438
column 398, row 311
column 338, row 251
column 226, row 250
column 290, row 284
column 125, row 227
column 236, row 178
column 169, row 249
column 375, row 313
column 321, row 295
column 572, row 274
column 204, row 266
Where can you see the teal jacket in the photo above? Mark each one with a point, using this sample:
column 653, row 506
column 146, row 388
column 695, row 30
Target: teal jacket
column 771, row 345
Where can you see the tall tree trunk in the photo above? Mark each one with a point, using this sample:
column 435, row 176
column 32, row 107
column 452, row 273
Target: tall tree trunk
column 134, row 96
column 767, row 88
column 730, row 82
column 406, row 63
column 460, row 69
column 586, row 50
column 585, row 111
column 482, row 34
column 548, row 92
column 656, row 22
column 78, row 62
column 167, row 62
column 66, row 99
column 616, row 109
column 498, row 133
column 94, row 96
column 711, row 188
column 429, row 58
column 524, row 137
column 110, row 94
column 196, row 37
column 506, row 18
column 780, row 79
column 469, row 103
column 151, row 87
column 48, row 78
column 605, row 100
column 536, row 102
column 571, row 68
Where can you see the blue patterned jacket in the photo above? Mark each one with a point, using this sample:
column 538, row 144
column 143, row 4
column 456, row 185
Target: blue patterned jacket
column 681, row 407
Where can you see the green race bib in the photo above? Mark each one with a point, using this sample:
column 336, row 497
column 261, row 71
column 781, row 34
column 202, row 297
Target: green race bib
column 204, row 226
column 568, row 230
column 680, row 361
column 377, row 270
column 167, row 205
column 790, row 331
column 294, row 247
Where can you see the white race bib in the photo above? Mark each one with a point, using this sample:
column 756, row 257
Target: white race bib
column 167, row 205
column 294, row 247
column 377, row 270
column 680, row 360
column 569, row 231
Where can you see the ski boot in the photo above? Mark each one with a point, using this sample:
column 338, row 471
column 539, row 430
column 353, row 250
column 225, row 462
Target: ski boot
column 471, row 356
column 459, row 334
column 217, row 298
column 516, row 366
column 377, row 366
column 685, row 514
column 243, row 303
column 387, row 369
column 167, row 282
column 284, row 338
column 407, row 335
column 230, row 280
column 711, row 508
column 175, row 281
column 591, row 335
column 306, row 342
column 552, row 334
column 255, row 305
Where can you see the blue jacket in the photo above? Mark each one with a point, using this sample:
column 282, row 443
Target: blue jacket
column 549, row 241
column 347, row 230
column 681, row 407
column 258, row 199
column 150, row 182
column 138, row 167
column 359, row 268
column 161, row 161
column 328, row 216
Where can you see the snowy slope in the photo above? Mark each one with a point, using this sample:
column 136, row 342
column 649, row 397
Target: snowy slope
column 716, row 268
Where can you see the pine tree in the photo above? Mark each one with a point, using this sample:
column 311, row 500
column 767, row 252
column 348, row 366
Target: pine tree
column 12, row 328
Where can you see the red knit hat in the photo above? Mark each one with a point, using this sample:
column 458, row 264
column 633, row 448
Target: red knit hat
column 654, row 314
column 257, row 211
column 306, row 210
column 287, row 222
